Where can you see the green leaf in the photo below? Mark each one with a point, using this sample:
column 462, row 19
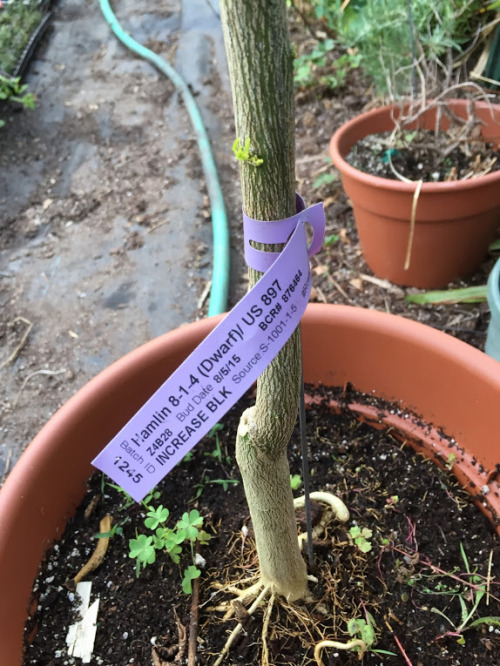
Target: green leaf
column 215, row 428
column 190, row 574
column 464, row 612
column 295, row 481
column 368, row 634
column 324, row 179
column 363, row 545
column 156, row 517
column 189, row 523
column 142, row 549
column 493, row 620
column 203, row 537
column 331, row 239
column 450, row 296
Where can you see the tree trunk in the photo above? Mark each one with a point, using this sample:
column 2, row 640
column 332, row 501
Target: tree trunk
column 260, row 58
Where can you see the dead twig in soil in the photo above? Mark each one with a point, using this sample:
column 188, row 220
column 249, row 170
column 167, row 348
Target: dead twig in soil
column 488, row 578
column 97, row 556
column 193, row 619
column 183, row 640
column 414, row 205
column 204, row 295
column 18, row 349
column 402, row 650
column 265, row 629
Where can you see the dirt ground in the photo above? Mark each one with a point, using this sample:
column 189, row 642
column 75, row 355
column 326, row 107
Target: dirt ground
column 105, row 235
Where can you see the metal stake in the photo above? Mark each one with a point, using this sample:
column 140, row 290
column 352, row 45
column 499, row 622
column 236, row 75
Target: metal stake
column 305, row 460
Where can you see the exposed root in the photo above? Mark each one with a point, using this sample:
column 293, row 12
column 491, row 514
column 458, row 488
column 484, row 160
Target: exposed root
column 354, row 643
column 265, row 629
column 259, row 590
column 340, row 510
column 237, row 630
column 241, row 595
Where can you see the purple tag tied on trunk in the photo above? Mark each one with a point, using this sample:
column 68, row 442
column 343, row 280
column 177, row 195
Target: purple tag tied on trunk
column 223, row 366
column 279, row 231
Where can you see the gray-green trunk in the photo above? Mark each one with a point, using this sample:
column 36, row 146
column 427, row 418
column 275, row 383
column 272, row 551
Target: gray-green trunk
column 260, row 60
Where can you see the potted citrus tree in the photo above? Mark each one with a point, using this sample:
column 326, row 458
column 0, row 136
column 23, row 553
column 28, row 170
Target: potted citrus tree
column 448, row 385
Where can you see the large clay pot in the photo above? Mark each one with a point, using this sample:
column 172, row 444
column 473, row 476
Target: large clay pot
column 446, row 382
column 455, row 221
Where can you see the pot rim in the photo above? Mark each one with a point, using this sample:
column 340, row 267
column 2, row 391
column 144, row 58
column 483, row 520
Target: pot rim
column 338, row 158
column 413, row 332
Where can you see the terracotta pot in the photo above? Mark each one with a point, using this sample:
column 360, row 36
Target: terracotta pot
column 448, row 383
column 455, row 221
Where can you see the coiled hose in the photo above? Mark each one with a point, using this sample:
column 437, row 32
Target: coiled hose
column 220, row 229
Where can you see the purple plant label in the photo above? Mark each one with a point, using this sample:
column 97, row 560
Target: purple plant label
column 213, row 378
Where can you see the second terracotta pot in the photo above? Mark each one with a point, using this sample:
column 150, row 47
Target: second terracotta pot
column 455, row 221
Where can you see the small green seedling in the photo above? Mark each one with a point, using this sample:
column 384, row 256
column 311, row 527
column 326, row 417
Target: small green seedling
column 116, row 530
column 361, row 538
column 207, row 481
column 324, row 179
column 217, row 452
column 188, row 530
column 331, row 239
column 363, row 638
column 451, row 461
column 364, row 629
column 473, row 595
column 242, row 152
column 295, row 481
column 143, row 550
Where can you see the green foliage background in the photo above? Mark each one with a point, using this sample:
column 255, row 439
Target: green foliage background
column 378, row 32
column 17, row 22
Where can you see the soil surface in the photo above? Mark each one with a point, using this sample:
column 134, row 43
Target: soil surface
column 426, row 553
column 423, row 157
column 105, row 234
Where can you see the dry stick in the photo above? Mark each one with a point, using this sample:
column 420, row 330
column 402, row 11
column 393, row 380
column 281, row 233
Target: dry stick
column 412, row 223
column 193, row 620
column 50, row 373
column 416, row 195
column 406, row 658
column 17, row 350
column 488, row 578
column 96, row 558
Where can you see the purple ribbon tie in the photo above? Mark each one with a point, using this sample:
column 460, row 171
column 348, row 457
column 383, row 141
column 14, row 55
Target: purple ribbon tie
column 279, row 231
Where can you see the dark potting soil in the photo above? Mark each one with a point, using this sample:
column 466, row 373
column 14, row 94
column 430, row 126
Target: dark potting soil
column 420, row 157
column 430, row 553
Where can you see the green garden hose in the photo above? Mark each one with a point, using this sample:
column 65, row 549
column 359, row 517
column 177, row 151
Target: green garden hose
column 220, row 262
